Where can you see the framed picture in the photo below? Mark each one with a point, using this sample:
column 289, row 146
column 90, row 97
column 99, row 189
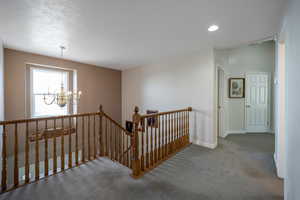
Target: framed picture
column 152, row 121
column 129, row 126
column 236, row 88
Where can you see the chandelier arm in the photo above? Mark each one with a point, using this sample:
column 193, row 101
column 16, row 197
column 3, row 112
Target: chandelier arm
column 51, row 102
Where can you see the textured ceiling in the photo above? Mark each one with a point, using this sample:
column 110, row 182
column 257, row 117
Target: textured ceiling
column 128, row 33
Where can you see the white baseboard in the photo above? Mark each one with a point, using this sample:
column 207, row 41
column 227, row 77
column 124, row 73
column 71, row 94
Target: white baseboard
column 206, row 144
column 243, row 131
column 279, row 175
column 236, row 132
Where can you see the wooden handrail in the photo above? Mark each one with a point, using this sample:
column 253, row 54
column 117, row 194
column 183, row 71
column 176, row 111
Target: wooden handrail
column 117, row 124
column 47, row 118
column 166, row 112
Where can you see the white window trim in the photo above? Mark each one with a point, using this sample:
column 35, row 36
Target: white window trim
column 32, row 110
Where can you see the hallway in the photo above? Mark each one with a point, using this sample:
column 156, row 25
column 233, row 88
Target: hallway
column 241, row 168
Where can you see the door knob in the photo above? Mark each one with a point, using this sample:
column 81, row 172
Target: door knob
column 248, row 106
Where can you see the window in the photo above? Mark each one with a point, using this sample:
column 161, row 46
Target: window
column 42, row 81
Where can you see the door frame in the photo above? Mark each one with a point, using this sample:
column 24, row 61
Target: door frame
column 268, row 129
column 221, row 133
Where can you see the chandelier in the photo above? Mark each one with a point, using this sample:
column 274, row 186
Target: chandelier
column 62, row 98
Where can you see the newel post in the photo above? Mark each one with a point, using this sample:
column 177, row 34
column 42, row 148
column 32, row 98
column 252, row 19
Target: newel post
column 101, row 146
column 136, row 166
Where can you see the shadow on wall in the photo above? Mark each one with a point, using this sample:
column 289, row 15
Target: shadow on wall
column 200, row 130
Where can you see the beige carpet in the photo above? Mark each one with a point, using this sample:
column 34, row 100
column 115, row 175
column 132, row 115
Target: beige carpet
column 241, row 168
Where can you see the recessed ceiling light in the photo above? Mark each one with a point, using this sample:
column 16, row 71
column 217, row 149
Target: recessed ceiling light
column 213, row 28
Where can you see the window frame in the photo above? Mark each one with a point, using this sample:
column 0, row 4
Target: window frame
column 32, row 95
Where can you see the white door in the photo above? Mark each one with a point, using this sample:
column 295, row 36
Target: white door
column 221, row 102
column 257, row 102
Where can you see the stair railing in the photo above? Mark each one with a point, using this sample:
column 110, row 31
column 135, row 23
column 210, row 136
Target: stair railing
column 158, row 136
column 39, row 147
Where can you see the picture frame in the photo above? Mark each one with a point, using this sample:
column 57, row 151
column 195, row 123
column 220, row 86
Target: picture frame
column 236, row 88
column 129, row 126
column 152, row 121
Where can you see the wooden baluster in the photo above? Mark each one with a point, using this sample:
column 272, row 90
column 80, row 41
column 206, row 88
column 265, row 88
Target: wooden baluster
column 142, row 150
column 46, row 163
column 147, row 143
column 101, row 145
column 169, row 133
column 110, row 141
column 155, row 139
column 62, row 158
column 125, row 147
column 83, row 145
column 129, row 154
column 181, row 124
column 188, row 125
column 166, row 134
column 100, row 136
column 122, row 144
column 184, row 129
column 119, row 145
column 180, row 129
column 177, row 137
column 89, row 138
column 163, row 137
column 70, row 144
column 159, row 139
column 16, row 157
column 37, row 155
column 115, row 142
column 4, row 160
column 27, row 154
column 76, row 143
column 95, row 147
column 106, row 137
column 174, row 132
column 54, row 150
column 151, row 142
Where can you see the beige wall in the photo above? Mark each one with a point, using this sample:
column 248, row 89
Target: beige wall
column 1, row 83
column 177, row 83
column 99, row 85
column 236, row 63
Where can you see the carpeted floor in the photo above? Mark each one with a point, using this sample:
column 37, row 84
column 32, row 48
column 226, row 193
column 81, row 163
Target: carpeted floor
column 241, row 168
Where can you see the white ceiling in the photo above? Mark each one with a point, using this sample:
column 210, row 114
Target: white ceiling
column 129, row 33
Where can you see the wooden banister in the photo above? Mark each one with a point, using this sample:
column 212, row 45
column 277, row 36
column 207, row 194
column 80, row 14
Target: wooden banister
column 116, row 124
column 155, row 137
column 46, row 118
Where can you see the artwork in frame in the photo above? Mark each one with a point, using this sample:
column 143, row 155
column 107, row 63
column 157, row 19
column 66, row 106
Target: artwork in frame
column 152, row 121
column 236, row 88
